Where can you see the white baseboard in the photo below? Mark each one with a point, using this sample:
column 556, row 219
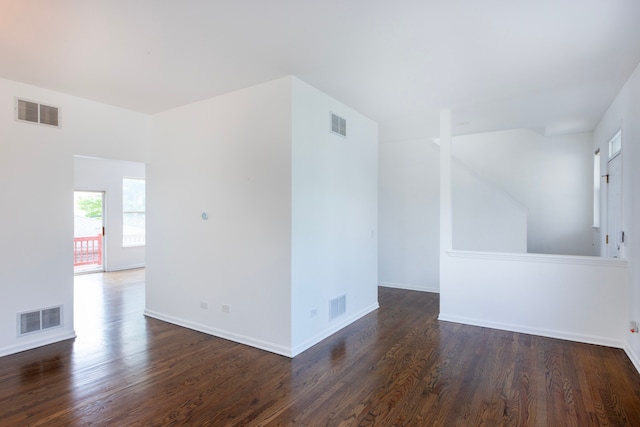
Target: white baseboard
column 563, row 335
column 35, row 343
column 252, row 342
column 332, row 330
column 433, row 289
column 633, row 357
column 263, row 345
column 125, row 267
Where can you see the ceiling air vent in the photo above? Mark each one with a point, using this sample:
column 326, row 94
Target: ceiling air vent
column 33, row 112
column 338, row 125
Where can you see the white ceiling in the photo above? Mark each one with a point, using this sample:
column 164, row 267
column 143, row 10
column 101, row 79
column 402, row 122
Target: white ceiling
column 554, row 65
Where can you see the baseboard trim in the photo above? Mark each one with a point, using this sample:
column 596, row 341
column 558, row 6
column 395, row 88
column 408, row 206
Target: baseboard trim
column 547, row 258
column 262, row 345
column 241, row 339
column 125, row 267
column 633, row 357
column 332, row 330
column 550, row 333
column 30, row 345
column 432, row 289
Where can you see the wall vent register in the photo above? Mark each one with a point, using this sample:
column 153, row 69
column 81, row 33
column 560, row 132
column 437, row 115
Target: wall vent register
column 337, row 307
column 33, row 112
column 338, row 125
column 39, row 320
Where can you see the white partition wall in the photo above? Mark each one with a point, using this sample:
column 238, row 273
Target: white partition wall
column 573, row 298
column 261, row 216
column 219, row 239
column 334, row 216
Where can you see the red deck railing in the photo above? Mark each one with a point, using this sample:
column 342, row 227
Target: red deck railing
column 87, row 250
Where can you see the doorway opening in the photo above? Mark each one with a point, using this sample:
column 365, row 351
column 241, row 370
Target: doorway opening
column 88, row 231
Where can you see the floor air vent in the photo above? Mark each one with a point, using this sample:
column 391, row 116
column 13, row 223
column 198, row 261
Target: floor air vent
column 337, row 306
column 39, row 320
column 33, row 112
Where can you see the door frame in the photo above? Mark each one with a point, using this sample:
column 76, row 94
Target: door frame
column 102, row 266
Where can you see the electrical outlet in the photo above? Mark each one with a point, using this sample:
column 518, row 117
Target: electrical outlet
column 314, row 312
column 226, row 308
column 633, row 327
column 204, row 305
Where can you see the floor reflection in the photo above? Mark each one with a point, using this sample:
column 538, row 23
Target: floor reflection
column 38, row 370
column 110, row 326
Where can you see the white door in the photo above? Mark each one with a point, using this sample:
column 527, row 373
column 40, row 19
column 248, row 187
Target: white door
column 614, row 207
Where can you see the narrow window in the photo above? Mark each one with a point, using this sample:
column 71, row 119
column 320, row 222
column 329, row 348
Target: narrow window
column 596, row 188
column 133, row 212
column 615, row 145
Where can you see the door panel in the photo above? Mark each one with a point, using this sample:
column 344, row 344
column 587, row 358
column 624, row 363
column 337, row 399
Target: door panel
column 614, row 207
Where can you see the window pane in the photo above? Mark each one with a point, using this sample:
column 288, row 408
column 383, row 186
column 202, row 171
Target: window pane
column 133, row 229
column 133, row 212
column 133, row 192
column 596, row 189
column 615, row 145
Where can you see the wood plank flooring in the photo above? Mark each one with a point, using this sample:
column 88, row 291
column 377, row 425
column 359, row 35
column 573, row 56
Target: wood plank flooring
column 398, row 366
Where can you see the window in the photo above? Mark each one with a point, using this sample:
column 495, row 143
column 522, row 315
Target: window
column 596, row 188
column 615, row 145
column 133, row 212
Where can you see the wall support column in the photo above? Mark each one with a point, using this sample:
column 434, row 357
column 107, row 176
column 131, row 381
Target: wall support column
column 446, row 211
column 446, row 222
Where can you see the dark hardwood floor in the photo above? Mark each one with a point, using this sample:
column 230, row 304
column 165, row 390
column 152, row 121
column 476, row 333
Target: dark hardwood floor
column 398, row 366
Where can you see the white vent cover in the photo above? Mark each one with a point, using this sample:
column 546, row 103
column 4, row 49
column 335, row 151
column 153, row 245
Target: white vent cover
column 338, row 125
column 33, row 112
column 39, row 320
column 337, row 306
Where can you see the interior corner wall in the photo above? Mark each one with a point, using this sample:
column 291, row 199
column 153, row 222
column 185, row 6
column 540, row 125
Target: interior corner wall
column 91, row 174
column 334, row 215
column 623, row 115
column 552, row 177
column 408, row 209
column 219, row 238
column 36, row 188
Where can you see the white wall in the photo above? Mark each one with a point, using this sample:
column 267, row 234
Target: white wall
column 485, row 218
column 334, row 216
column 574, row 298
column 230, row 157
column 36, row 189
column 106, row 175
column 552, row 177
column 624, row 113
column 292, row 216
column 408, row 243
